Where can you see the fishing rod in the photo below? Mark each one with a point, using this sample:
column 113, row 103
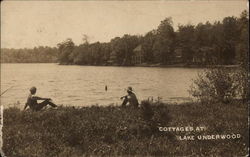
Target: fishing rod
column 6, row 90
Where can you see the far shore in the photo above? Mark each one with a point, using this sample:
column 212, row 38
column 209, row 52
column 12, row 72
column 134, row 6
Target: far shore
column 181, row 65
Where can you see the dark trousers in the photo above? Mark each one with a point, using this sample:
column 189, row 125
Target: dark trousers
column 41, row 105
column 125, row 101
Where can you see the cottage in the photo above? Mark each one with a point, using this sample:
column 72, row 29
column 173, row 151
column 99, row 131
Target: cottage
column 178, row 56
column 112, row 58
column 204, row 55
column 137, row 57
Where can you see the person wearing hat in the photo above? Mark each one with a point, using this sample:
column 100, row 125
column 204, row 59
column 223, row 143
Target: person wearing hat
column 130, row 98
column 32, row 101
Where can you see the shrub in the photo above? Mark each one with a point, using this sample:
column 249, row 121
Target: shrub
column 220, row 84
column 147, row 112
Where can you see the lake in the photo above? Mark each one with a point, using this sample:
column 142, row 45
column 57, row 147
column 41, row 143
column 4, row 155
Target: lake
column 85, row 85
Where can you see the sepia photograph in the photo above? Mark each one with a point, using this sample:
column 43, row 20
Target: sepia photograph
column 123, row 78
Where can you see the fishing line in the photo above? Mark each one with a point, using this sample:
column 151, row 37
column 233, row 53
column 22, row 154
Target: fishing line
column 6, row 90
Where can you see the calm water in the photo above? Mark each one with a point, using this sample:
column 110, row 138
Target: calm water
column 85, row 85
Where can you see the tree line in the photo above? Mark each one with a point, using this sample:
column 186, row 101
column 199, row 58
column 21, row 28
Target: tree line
column 222, row 42
column 36, row 55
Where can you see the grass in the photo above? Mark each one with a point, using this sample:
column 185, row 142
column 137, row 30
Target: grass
column 116, row 131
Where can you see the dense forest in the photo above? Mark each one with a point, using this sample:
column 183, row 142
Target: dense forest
column 36, row 55
column 222, row 42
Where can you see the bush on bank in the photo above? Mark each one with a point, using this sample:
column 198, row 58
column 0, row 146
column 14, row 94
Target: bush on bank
column 116, row 131
column 220, row 84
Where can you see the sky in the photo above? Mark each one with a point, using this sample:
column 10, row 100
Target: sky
column 26, row 24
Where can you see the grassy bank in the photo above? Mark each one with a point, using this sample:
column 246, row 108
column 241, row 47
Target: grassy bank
column 116, row 131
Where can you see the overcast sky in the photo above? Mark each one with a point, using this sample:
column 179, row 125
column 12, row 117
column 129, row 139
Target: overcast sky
column 46, row 23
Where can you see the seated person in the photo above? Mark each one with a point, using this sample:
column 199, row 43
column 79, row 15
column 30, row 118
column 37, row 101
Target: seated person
column 130, row 98
column 32, row 101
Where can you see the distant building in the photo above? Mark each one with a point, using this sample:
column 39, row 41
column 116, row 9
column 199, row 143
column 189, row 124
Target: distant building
column 137, row 57
column 199, row 57
column 178, row 58
column 112, row 58
column 204, row 55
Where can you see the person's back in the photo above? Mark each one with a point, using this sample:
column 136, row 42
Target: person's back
column 132, row 99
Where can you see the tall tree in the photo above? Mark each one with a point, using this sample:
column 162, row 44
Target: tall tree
column 242, row 47
column 165, row 42
column 148, row 45
column 65, row 49
column 230, row 36
column 186, row 41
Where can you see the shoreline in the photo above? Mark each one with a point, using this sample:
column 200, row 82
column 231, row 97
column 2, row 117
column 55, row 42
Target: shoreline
column 162, row 65
column 139, row 65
